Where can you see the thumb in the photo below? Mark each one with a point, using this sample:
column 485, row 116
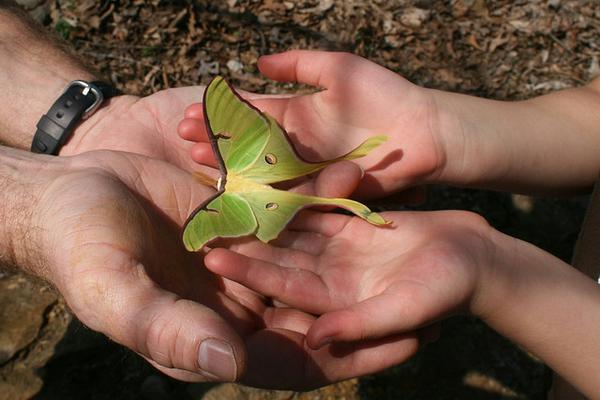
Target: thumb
column 405, row 310
column 338, row 180
column 316, row 68
column 182, row 338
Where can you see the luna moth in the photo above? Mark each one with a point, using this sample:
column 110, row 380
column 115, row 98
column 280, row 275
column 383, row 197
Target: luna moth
column 253, row 151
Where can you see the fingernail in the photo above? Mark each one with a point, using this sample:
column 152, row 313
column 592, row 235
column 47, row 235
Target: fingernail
column 215, row 357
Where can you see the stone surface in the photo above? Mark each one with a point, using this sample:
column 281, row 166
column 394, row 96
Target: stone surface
column 37, row 9
column 23, row 303
column 32, row 319
column 347, row 390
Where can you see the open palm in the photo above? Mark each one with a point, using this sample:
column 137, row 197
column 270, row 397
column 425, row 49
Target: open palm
column 142, row 125
column 360, row 99
column 369, row 282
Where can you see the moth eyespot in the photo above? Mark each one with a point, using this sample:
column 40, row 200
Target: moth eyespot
column 271, row 159
column 271, row 206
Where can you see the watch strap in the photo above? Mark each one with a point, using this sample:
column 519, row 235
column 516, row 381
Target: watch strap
column 77, row 102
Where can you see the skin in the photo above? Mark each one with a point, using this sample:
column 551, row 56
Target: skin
column 104, row 228
column 435, row 136
column 110, row 223
column 447, row 146
column 427, row 266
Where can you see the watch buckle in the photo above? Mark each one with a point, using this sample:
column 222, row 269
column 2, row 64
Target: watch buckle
column 87, row 88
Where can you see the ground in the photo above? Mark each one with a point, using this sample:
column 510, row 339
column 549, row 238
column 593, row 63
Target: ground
column 507, row 50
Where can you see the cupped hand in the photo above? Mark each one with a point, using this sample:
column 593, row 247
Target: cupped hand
column 359, row 99
column 109, row 226
column 141, row 125
column 368, row 282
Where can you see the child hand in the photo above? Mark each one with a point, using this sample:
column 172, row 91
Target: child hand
column 434, row 136
column 369, row 282
column 360, row 99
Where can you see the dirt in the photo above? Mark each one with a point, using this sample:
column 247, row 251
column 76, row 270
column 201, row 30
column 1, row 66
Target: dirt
column 497, row 49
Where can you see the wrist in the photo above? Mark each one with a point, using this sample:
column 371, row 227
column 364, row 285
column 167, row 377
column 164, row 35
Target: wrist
column 471, row 143
column 94, row 129
column 495, row 279
column 35, row 72
column 23, row 177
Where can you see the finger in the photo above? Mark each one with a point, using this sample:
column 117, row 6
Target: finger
column 193, row 130
column 252, row 248
column 380, row 316
column 274, row 104
column 175, row 333
column 325, row 224
column 336, row 180
column 252, row 301
column 316, row 68
column 303, row 368
column 288, row 318
column 180, row 374
column 296, row 287
column 194, row 111
column 202, row 153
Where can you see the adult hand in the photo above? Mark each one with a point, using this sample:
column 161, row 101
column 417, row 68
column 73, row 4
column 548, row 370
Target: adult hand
column 106, row 230
column 141, row 125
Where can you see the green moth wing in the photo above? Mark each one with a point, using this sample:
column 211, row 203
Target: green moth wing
column 237, row 131
column 274, row 209
column 223, row 215
column 278, row 160
column 253, row 150
column 253, row 145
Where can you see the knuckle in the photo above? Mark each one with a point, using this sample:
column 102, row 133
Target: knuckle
column 159, row 340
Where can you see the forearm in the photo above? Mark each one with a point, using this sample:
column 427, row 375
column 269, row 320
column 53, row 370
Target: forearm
column 546, row 306
column 546, row 145
column 22, row 178
column 34, row 70
column 17, row 203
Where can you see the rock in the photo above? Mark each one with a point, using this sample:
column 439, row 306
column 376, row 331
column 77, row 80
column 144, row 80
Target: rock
column 347, row 390
column 594, row 68
column 208, row 68
column 204, row 391
column 23, row 303
column 19, row 385
column 37, row 9
column 235, row 65
column 414, row 17
column 32, row 320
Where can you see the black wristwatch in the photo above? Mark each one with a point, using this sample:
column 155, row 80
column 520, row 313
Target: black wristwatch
column 79, row 101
